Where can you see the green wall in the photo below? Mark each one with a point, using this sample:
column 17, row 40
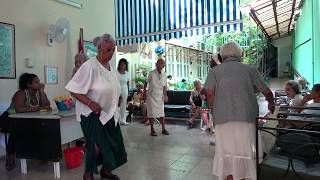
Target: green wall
column 307, row 42
column 316, row 42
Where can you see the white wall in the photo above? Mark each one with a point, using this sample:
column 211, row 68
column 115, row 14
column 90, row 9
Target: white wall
column 284, row 54
column 32, row 18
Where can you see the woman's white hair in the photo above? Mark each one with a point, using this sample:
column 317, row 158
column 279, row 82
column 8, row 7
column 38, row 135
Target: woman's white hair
column 95, row 41
column 230, row 49
column 294, row 85
column 106, row 38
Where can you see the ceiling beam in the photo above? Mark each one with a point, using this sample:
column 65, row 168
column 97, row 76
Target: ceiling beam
column 275, row 24
column 292, row 13
column 278, row 6
column 259, row 8
column 275, row 15
column 285, row 12
column 254, row 17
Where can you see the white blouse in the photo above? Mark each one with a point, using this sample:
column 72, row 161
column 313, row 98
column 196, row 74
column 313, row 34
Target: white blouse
column 296, row 101
column 156, row 82
column 100, row 85
column 123, row 80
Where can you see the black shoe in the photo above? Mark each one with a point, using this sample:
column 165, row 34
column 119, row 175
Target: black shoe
column 165, row 132
column 88, row 176
column 108, row 175
column 153, row 133
column 190, row 125
column 129, row 118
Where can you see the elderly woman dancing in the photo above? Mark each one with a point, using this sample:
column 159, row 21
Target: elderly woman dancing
column 97, row 90
column 230, row 88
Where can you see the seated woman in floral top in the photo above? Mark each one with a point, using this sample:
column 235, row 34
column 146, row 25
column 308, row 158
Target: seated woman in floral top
column 197, row 100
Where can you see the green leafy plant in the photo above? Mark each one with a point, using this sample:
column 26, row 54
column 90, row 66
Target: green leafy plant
column 250, row 39
column 142, row 73
column 139, row 79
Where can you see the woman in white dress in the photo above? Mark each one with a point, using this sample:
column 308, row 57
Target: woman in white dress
column 230, row 89
column 123, row 78
column 97, row 90
column 156, row 96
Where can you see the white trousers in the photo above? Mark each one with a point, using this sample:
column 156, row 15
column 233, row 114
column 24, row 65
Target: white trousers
column 123, row 106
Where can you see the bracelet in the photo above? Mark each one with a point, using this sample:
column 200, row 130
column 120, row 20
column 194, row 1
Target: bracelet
column 89, row 103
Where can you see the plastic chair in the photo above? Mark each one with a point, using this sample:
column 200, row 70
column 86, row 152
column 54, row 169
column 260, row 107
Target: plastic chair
column 210, row 120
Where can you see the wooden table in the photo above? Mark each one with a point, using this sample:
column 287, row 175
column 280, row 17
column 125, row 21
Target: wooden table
column 39, row 136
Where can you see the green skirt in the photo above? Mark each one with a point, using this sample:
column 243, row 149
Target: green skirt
column 109, row 140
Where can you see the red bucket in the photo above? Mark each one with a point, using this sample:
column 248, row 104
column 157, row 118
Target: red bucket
column 73, row 157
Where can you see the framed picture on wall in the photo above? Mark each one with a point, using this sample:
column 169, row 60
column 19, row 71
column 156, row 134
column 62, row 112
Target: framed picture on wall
column 90, row 49
column 51, row 74
column 7, row 51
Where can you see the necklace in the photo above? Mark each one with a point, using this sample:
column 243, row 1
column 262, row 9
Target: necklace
column 33, row 104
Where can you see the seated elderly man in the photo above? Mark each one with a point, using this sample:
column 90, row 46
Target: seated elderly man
column 315, row 96
column 311, row 100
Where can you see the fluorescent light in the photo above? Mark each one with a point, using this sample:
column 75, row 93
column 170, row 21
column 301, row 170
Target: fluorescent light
column 71, row 3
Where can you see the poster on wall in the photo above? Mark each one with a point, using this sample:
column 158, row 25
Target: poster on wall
column 90, row 49
column 7, row 51
column 51, row 74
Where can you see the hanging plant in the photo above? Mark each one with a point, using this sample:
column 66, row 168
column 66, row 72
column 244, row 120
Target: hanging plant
column 159, row 50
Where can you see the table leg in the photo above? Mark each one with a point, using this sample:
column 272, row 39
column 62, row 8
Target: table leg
column 23, row 164
column 56, row 169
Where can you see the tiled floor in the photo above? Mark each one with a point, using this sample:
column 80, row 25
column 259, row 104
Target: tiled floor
column 184, row 154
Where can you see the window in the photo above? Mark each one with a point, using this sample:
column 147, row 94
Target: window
column 178, row 62
column 202, row 66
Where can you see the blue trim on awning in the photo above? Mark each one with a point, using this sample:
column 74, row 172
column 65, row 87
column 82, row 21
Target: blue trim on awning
column 140, row 21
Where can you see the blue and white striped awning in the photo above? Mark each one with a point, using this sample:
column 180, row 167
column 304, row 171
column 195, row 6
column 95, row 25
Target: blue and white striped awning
column 152, row 20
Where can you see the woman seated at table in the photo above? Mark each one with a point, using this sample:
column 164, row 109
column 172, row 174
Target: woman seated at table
column 29, row 98
column 293, row 91
column 309, row 100
column 197, row 100
column 312, row 100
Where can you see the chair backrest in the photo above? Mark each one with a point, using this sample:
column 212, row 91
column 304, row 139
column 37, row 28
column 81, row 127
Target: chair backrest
column 4, row 121
column 178, row 97
column 299, row 146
